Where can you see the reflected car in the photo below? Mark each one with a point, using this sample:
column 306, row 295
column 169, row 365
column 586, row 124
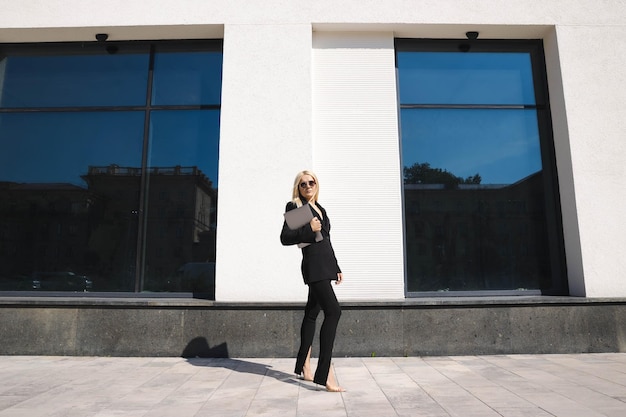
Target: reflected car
column 16, row 283
column 61, row 281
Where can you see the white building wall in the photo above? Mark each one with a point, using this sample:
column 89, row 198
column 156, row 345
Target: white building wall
column 592, row 60
column 265, row 139
column 357, row 157
column 269, row 118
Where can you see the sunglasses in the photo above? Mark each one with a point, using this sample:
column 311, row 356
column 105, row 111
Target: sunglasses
column 304, row 184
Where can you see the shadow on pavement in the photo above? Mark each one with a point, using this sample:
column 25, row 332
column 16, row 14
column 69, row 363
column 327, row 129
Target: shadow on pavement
column 199, row 353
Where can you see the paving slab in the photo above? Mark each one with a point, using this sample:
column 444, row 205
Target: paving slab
column 568, row 385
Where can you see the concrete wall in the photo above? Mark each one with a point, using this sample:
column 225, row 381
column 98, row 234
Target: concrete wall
column 268, row 133
column 199, row 328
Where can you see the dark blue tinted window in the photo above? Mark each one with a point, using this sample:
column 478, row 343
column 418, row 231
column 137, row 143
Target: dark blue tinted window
column 73, row 80
column 70, row 185
column 480, row 202
column 182, row 201
column 501, row 145
column 185, row 138
column 101, row 188
column 187, row 78
column 465, row 78
column 46, row 147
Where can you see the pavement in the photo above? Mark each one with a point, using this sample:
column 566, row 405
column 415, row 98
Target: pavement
column 585, row 385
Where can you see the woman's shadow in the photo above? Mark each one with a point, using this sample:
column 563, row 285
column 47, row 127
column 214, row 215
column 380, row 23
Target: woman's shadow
column 199, row 353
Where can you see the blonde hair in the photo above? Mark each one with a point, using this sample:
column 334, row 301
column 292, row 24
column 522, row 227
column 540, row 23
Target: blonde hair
column 296, row 187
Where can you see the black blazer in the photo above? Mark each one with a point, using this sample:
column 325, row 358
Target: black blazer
column 318, row 258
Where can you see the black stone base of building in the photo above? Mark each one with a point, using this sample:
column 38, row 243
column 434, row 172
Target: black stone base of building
column 92, row 326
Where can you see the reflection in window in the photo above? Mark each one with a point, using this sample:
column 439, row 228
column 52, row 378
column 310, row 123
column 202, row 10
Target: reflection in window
column 481, row 211
column 88, row 198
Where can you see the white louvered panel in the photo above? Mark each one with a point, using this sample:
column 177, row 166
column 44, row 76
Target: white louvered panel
column 356, row 155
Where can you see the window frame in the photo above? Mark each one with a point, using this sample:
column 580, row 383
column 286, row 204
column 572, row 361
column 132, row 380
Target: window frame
column 554, row 223
column 150, row 47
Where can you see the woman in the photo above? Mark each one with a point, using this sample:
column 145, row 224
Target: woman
column 319, row 268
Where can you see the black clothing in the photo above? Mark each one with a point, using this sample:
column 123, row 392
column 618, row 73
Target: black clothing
column 321, row 296
column 319, row 268
column 318, row 259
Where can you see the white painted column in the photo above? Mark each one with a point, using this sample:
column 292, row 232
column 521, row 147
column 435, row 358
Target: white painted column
column 594, row 87
column 265, row 139
column 357, row 158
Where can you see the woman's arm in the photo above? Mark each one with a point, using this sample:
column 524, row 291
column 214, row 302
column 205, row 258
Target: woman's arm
column 304, row 234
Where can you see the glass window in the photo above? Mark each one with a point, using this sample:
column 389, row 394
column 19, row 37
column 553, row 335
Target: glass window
column 502, row 146
column 108, row 166
column 466, row 78
column 187, row 78
column 76, row 77
column 480, row 200
column 182, row 164
column 58, row 147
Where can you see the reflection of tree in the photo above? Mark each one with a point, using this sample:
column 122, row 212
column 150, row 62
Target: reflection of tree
column 425, row 174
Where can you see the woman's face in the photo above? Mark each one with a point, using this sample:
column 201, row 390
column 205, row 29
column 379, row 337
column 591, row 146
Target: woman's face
column 308, row 187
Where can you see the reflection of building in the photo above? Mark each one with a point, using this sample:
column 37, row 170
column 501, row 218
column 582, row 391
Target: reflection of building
column 179, row 219
column 474, row 237
column 43, row 227
column 94, row 231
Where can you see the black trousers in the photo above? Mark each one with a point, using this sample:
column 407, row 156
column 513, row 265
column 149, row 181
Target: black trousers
column 321, row 297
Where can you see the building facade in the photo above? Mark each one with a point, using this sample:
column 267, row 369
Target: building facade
column 462, row 149
column 320, row 86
